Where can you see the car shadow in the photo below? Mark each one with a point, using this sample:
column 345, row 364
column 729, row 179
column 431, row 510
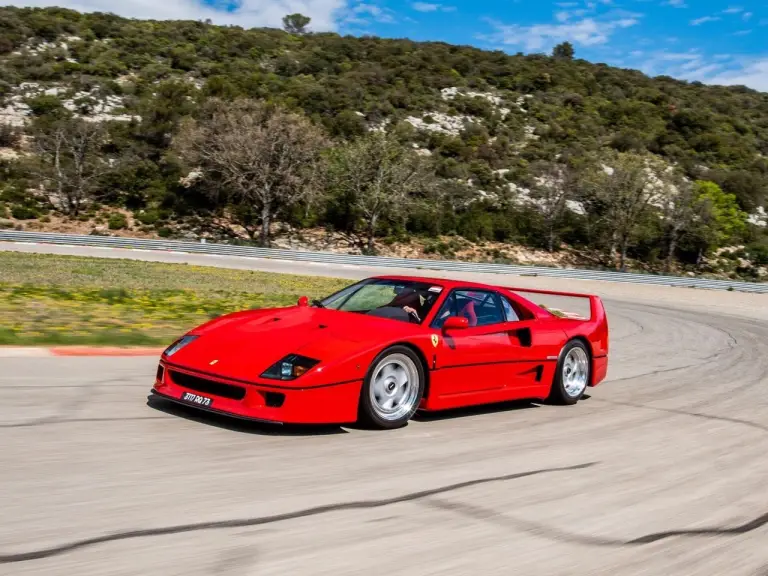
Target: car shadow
column 237, row 425
column 480, row 410
column 265, row 429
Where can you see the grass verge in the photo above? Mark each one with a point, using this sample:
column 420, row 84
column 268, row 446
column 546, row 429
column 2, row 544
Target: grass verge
column 48, row 299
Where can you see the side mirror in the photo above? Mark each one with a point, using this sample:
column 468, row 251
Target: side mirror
column 303, row 301
column 455, row 323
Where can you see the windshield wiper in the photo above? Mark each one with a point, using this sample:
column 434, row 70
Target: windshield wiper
column 317, row 303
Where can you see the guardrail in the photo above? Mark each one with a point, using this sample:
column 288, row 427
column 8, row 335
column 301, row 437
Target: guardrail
column 377, row 261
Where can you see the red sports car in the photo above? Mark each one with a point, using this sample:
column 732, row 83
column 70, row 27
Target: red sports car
column 383, row 348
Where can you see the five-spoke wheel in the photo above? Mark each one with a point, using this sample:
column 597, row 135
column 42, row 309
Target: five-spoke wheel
column 572, row 375
column 392, row 388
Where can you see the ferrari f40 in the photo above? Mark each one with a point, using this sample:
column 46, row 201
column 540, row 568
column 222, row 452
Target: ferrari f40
column 383, row 348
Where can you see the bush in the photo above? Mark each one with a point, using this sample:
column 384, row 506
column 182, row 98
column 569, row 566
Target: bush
column 148, row 217
column 24, row 213
column 10, row 136
column 117, row 221
column 758, row 253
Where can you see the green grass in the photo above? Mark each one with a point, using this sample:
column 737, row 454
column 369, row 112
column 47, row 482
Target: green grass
column 64, row 300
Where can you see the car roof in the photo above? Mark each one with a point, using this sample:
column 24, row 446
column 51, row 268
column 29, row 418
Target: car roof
column 444, row 282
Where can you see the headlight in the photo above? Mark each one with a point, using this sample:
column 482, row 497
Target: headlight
column 178, row 345
column 290, row 367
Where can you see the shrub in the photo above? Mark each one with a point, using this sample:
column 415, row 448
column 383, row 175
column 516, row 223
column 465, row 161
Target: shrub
column 9, row 136
column 117, row 221
column 24, row 213
column 148, row 217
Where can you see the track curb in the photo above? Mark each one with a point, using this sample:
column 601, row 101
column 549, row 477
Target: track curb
column 51, row 351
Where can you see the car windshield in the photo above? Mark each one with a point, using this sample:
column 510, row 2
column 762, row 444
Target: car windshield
column 405, row 300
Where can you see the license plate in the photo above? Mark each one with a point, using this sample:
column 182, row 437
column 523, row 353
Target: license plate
column 196, row 399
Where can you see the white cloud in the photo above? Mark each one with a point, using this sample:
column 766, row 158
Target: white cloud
column 746, row 16
column 565, row 15
column 723, row 69
column 427, row 7
column 704, row 19
column 733, row 10
column 752, row 73
column 586, row 32
column 325, row 14
column 374, row 11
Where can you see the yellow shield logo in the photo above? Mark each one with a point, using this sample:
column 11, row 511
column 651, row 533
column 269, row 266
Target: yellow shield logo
column 434, row 340
column 213, row 362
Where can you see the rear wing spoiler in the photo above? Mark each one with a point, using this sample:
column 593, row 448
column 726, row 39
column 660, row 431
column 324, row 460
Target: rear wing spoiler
column 596, row 308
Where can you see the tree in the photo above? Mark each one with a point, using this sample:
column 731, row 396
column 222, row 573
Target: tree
column 380, row 176
column 68, row 160
column 563, row 51
column 261, row 158
column 622, row 186
column 553, row 188
column 677, row 198
column 296, row 23
column 719, row 219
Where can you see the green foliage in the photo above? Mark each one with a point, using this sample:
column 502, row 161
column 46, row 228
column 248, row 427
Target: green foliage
column 117, row 221
column 45, row 105
column 296, row 23
column 721, row 213
column 10, row 136
column 24, row 213
column 559, row 106
column 564, row 51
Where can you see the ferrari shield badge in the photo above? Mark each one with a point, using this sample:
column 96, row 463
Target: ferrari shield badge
column 434, row 340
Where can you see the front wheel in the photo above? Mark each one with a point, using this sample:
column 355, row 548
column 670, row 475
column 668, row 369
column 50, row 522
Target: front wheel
column 392, row 388
column 572, row 375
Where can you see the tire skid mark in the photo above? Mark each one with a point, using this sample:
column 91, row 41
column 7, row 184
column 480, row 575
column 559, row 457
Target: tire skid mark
column 504, row 520
column 84, row 394
column 56, row 421
column 261, row 520
column 681, row 412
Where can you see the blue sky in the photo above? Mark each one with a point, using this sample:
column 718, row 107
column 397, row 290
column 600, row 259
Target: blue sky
column 708, row 41
column 691, row 39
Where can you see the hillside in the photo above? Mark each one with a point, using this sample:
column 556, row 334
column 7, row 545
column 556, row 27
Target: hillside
column 492, row 125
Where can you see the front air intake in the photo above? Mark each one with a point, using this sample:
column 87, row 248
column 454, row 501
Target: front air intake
column 207, row 386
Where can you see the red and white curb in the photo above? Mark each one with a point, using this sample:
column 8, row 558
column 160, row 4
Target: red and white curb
column 41, row 352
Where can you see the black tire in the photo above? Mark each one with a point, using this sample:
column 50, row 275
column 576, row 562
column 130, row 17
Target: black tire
column 561, row 392
column 370, row 412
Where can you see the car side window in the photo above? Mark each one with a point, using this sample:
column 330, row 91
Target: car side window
column 479, row 307
column 509, row 311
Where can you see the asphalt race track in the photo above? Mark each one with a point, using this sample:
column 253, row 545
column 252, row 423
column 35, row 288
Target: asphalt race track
column 661, row 471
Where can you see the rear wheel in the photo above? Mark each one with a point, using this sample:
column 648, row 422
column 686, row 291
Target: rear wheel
column 392, row 388
column 572, row 375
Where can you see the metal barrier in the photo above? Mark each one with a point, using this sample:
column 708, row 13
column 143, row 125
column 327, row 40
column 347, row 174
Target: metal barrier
column 376, row 261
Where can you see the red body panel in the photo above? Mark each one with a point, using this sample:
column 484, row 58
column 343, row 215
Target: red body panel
column 474, row 365
column 323, row 404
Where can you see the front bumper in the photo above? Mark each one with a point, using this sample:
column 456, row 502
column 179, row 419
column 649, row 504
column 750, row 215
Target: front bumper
column 331, row 404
